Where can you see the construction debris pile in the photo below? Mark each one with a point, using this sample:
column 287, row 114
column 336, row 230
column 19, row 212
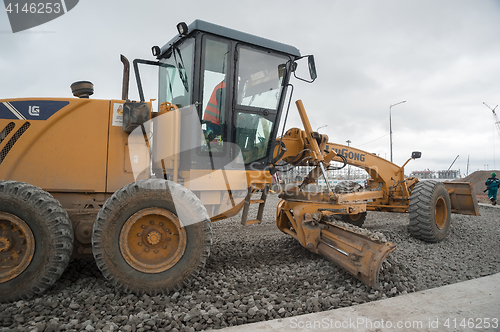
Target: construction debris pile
column 257, row 273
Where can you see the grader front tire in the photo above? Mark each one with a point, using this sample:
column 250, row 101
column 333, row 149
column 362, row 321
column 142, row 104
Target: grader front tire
column 355, row 219
column 152, row 236
column 430, row 211
column 36, row 240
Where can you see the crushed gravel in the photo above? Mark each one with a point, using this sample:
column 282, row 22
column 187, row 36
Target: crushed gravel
column 257, row 273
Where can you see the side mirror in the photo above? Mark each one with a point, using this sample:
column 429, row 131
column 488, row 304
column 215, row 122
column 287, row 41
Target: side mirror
column 416, row 155
column 300, row 73
column 312, row 67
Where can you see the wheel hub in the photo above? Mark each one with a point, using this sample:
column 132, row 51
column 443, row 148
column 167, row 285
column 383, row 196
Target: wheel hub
column 83, row 232
column 441, row 213
column 152, row 240
column 4, row 243
column 154, row 237
column 17, row 246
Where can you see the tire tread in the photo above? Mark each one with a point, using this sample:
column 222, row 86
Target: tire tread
column 59, row 228
column 117, row 200
column 421, row 210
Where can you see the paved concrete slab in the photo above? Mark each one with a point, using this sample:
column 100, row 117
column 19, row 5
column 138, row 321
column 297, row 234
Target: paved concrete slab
column 490, row 205
column 472, row 305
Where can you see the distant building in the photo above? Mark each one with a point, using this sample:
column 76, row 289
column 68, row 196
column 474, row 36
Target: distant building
column 427, row 174
column 449, row 174
column 438, row 175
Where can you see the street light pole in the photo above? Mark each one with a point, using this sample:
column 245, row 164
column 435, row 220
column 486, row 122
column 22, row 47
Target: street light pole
column 390, row 123
column 348, row 166
column 317, row 130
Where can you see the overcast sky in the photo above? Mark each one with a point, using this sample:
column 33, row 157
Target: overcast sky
column 442, row 57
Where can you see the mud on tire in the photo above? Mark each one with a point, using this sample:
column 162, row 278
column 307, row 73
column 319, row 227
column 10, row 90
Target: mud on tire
column 430, row 211
column 145, row 215
column 36, row 240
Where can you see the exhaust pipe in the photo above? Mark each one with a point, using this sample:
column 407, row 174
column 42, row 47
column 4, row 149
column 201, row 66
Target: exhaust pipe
column 126, row 76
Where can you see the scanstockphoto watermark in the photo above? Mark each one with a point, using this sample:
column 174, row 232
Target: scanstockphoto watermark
column 25, row 15
column 438, row 324
column 358, row 323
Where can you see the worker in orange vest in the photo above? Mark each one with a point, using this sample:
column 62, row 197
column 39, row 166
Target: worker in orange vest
column 211, row 116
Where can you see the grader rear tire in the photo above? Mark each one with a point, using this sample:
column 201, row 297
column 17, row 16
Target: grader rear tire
column 36, row 240
column 430, row 211
column 355, row 219
column 151, row 237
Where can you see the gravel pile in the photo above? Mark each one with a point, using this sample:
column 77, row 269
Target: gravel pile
column 257, row 273
column 478, row 179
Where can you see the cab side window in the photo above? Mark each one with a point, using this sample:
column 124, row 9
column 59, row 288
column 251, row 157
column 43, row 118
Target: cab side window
column 214, row 110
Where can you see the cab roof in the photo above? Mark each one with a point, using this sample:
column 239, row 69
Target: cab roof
column 199, row 25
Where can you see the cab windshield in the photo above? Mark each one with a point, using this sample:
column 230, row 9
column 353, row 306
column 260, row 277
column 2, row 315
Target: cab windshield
column 176, row 75
column 260, row 76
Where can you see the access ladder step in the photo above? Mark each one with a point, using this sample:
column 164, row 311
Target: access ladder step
column 248, row 200
column 253, row 222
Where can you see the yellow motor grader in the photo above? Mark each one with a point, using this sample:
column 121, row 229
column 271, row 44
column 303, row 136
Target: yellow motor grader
column 137, row 184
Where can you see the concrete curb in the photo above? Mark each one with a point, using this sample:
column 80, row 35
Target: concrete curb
column 489, row 205
column 472, row 305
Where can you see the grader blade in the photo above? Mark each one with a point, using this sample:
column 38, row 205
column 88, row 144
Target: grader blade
column 359, row 254
column 462, row 199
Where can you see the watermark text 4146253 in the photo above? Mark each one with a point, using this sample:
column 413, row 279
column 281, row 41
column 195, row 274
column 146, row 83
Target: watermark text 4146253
column 26, row 14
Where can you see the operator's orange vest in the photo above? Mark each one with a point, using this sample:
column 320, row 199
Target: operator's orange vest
column 212, row 113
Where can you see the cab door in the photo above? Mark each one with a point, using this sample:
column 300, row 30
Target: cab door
column 259, row 97
column 216, row 114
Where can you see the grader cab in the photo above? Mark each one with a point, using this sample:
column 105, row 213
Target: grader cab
column 137, row 184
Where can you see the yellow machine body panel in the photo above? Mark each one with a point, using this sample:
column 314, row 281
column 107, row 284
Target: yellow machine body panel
column 62, row 150
column 119, row 169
